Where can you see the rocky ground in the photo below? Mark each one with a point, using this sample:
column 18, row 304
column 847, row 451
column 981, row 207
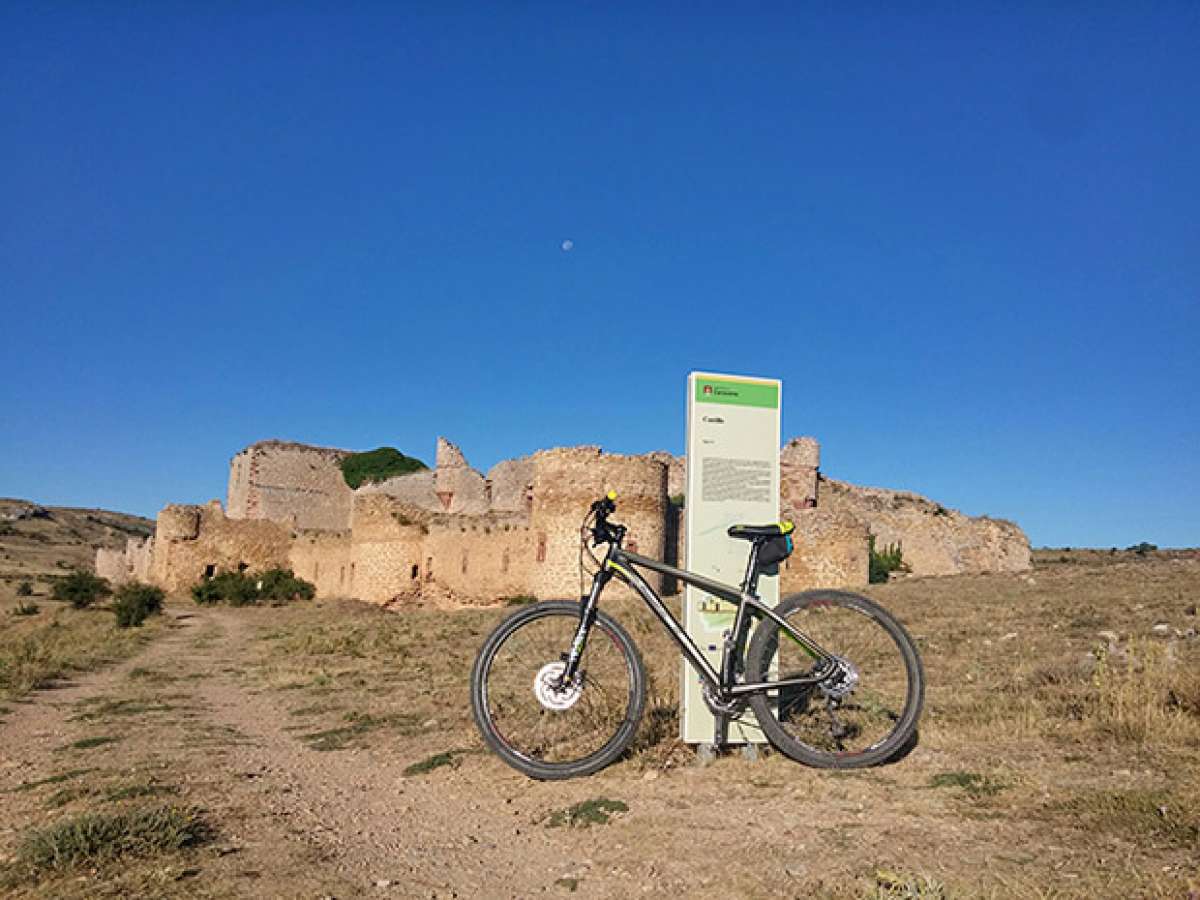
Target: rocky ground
column 328, row 751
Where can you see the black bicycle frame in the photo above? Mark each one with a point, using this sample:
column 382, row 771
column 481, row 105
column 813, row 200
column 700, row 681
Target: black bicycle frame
column 724, row 684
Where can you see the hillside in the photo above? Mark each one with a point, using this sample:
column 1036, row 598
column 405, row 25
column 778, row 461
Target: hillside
column 41, row 541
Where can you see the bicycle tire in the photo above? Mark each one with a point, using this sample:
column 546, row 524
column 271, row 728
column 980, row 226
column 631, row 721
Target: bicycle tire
column 792, row 723
column 493, row 697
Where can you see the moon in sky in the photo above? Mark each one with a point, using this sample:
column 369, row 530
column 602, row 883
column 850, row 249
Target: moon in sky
column 568, row 245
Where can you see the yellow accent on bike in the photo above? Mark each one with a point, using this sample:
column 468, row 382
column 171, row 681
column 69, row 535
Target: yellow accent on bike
column 612, row 495
column 619, row 568
column 786, row 527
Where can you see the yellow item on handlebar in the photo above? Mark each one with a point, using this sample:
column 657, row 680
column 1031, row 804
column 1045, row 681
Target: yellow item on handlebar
column 612, row 495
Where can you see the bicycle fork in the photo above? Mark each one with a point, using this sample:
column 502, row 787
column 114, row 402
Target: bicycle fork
column 587, row 617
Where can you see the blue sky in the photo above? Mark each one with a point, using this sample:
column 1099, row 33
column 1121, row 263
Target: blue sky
column 967, row 241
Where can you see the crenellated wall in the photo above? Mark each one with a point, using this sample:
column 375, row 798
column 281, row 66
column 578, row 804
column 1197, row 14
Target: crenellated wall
column 451, row 535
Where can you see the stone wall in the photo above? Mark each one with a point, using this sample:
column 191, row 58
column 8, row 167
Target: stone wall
column 566, row 482
column 386, row 549
column 111, row 564
column 510, row 486
column 799, row 462
column 324, row 558
column 831, row 551
column 452, row 536
column 417, row 489
column 400, row 553
column 461, row 490
column 192, row 542
column 293, row 484
column 934, row 540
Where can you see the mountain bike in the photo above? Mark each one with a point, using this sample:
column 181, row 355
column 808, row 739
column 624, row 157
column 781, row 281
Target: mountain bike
column 558, row 689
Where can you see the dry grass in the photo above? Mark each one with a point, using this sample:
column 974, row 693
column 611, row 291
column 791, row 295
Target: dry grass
column 1146, row 694
column 94, row 838
column 1052, row 762
column 38, row 651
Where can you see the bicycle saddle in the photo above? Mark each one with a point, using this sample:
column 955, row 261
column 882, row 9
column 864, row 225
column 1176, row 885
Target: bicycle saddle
column 754, row 532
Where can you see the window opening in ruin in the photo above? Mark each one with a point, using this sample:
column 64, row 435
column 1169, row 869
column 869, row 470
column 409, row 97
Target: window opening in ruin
column 316, row 570
column 541, row 548
column 504, row 561
column 242, row 567
column 342, row 576
column 464, row 562
column 416, row 570
column 210, row 570
column 429, row 568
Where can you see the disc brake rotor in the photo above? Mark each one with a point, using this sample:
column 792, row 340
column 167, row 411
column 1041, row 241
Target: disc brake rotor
column 549, row 694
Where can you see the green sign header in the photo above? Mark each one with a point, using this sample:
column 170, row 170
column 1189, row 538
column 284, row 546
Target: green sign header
column 737, row 393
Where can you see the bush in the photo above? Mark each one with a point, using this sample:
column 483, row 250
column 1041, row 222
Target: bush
column 134, row 602
column 25, row 609
column 884, row 562
column 277, row 586
column 24, row 589
column 378, row 465
column 1143, row 548
column 81, row 589
column 234, row 588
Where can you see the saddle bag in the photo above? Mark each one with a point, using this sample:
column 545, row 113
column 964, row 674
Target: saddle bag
column 774, row 551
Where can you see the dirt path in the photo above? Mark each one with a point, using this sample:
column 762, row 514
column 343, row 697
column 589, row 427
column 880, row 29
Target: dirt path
column 307, row 823
column 294, row 821
column 193, row 720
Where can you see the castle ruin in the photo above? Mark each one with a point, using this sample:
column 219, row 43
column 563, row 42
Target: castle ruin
column 454, row 535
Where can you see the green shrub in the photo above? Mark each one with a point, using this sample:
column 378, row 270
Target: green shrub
column 378, row 465
column 25, row 609
column 277, row 586
column 1143, row 548
column 81, row 589
column 24, row 589
column 884, row 562
column 234, row 588
column 134, row 602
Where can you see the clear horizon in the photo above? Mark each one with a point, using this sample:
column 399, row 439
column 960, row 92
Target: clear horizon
column 965, row 240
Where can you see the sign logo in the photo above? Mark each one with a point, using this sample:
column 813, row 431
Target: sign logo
column 708, row 389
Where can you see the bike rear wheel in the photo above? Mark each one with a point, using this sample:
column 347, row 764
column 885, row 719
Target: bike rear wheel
column 863, row 715
column 544, row 729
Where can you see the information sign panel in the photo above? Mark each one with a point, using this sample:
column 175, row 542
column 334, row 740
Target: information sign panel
column 732, row 477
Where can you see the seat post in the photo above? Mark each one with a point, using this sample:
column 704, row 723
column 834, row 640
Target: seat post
column 750, row 582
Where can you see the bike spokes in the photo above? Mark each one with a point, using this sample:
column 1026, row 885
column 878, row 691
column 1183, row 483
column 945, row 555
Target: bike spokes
column 542, row 719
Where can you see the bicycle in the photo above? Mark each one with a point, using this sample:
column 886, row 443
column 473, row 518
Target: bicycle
column 554, row 701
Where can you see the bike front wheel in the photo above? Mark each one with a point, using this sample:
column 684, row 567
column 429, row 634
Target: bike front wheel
column 540, row 726
column 866, row 711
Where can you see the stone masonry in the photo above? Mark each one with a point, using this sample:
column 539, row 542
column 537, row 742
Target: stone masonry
column 456, row 536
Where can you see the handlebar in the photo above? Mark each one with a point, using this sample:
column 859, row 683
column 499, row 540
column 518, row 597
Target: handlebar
column 605, row 532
